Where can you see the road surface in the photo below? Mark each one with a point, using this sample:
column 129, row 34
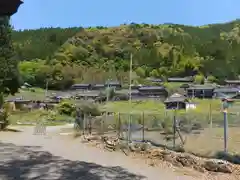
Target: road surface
column 24, row 156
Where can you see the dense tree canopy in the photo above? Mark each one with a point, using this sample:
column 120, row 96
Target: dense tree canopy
column 9, row 76
column 63, row 56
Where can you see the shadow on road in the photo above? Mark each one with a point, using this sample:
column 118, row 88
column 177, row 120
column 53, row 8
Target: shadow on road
column 29, row 163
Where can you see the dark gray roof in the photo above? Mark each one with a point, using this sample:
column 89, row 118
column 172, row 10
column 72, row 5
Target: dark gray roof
column 232, row 81
column 152, row 88
column 201, row 87
column 154, row 80
column 81, row 85
column 226, row 90
column 176, row 98
column 87, row 95
column 180, row 79
column 98, row 85
column 185, row 86
column 112, row 83
column 19, row 100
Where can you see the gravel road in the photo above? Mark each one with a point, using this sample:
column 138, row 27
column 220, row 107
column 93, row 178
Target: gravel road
column 24, row 156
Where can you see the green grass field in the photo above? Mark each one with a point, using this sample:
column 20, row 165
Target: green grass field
column 207, row 142
column 50, row 118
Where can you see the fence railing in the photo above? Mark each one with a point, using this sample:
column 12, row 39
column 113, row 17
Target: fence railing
column 196, row 132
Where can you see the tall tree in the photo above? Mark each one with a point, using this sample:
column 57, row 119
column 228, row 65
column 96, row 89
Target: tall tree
column 9, row 74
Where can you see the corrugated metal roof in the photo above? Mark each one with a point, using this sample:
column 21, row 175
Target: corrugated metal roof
column 81, row 85
column 201, row 87
column 152, row 88
column 232, row 81
column 180, row 79
column 113, row 83
column 176, row 98
column 226, row 90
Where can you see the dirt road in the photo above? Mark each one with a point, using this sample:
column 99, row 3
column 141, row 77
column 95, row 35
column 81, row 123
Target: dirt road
column 24, row 156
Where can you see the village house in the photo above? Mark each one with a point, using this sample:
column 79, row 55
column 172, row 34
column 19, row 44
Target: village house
column 200, row 91
column 81, row 87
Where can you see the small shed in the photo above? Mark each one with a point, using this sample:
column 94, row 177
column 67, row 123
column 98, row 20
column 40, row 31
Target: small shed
column 113, row 84
column 235, row 97
column 232, row 82
column 229, row 91
column 200, row 91
column 180, row 79
column 87, row 96
column 19, row 103
column 176, row 101
column 81, row 87
column 153, row 91
column 185, row 86
column 135, row 87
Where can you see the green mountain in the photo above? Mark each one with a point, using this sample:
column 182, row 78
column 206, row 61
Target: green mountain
column 94, row 54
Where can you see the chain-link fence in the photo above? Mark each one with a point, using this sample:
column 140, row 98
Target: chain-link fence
column 199, row 132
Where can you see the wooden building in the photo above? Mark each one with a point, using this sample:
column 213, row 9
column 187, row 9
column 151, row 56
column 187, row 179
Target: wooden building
column 114, row 84
column 81, row 87
column 226, row 91
column 234, row 83
column 180, row 79
column 200, row 91
column 153, row 91
column 98, row 87
column 176, row 101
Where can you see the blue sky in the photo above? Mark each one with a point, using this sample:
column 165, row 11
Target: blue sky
column 67, row 13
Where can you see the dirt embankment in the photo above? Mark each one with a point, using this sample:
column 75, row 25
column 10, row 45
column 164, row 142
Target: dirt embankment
column 210, row 167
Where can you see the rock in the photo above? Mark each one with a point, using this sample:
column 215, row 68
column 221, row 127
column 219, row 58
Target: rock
column 186, row 160
column 218, row 166
column 156, row 152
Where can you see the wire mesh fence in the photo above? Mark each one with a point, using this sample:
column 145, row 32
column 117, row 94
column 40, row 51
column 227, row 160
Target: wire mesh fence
column 197, row 132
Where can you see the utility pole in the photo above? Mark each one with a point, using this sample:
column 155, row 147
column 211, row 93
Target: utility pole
column 130, row 100
column 46, row 90
column 107, row 99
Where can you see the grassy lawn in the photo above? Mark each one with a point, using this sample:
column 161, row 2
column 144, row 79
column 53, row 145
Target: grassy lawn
column 39, row 94
column 207, row 142
column 50, row 118
column 211, row 141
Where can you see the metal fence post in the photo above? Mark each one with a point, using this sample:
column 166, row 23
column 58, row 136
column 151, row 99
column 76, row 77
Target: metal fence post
column 210, row 114
column 225, row 130
column 129, row 127
column 174, row 128
column 143, row 128
column 90, row 125
column 84, row 123
column 119, row 124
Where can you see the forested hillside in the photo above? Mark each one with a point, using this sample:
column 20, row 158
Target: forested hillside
column 95, row 54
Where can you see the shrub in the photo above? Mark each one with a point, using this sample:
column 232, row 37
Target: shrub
column 89, row 108
column 199, row 79
column 66, row 108
column 4, row 114
column 211, row 79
